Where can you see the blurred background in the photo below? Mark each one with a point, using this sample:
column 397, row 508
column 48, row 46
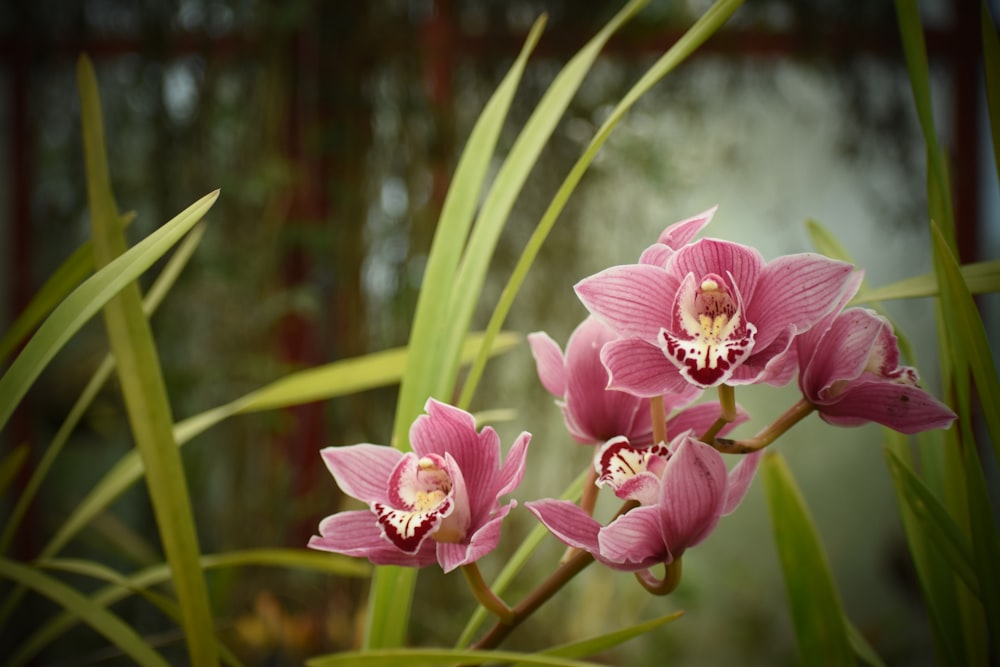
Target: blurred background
column 332, row 129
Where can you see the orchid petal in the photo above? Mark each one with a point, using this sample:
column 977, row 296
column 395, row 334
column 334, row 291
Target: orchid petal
column 739, row 481
column 549, row 361
column 681, row 233
column 843, row 351
column 641, row 369
column 356, row 533
column 567, row 522
column 512, row 471
column 712, row 256
column 656, row 255
column 903, row 407
column 633, row 541
column 693, row 494
column 796, row 290
column 773, row 364
column 633, row 300
column 480, row 543
column 362, row 471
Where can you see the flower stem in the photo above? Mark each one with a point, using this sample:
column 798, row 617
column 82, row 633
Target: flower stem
column 485, row 594
column 536, row 599
column 791, row 417
column 727, row 400
column 664, row 586
column 566, row 571
column 659, row 419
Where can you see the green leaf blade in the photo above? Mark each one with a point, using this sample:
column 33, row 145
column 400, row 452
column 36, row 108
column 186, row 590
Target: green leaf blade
column 814, row 603
column 144, row 390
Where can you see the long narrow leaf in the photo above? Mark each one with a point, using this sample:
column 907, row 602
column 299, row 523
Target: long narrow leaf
column 969, row 334
column 296, row 559
column 980, row 277
column 815, row 606
column 510, row 179
column 337, row 379
column 144, row 390
column 61, row 282
column 436, row 656
column 97, row 617
column 716, row 15
column 152, row 300
column 86, row 300
column 593, row 645
column 392, row 587
column 991, row 69
column 936, row 523
column 911, row 32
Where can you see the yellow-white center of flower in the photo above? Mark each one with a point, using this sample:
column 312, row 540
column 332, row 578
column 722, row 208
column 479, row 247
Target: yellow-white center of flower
column 713, row 322
column 437, row 485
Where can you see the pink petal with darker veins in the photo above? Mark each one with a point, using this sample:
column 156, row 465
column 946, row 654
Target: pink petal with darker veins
column 796, row 290
column 362, row 471
column 634, row 300
column 641, row 369
column 356, row 533
column 568, row 522
column 903, row 407
column 549, row 362
column 693, row 494
column 633, row 540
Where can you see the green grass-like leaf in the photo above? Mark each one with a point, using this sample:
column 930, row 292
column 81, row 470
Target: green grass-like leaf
column 144, row 389
column 980, row 277
column 84, row 609
column 815, row 605
column 61, row 282
column 593, row 645
column 86, row 300
column 434, row 656
column 936, row 580
column 716, row 15
column 392, row 587
column 297, row 559
column 330, row 381
column 152, row 300
column 935, row 522
column 511, row 178
column 991, row 69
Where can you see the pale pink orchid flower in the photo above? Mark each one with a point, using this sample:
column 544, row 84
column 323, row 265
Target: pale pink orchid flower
column 684, row 489
column 850, row 373
column 439, row 502
column 715, row 312
column 594, row 414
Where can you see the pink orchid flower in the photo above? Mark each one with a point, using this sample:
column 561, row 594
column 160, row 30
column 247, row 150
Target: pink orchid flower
column 447, row 489
column 851, row 375
column 594, row 414
column 715, row 312
column 684, row 490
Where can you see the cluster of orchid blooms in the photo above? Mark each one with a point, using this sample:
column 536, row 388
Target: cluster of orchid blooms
column 688, row 316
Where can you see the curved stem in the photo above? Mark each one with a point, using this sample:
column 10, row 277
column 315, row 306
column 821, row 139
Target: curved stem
column 727, row 400
column 485, row 594
column 536, row 599
column 566, row 571
column 664, row 586
column 791, row 417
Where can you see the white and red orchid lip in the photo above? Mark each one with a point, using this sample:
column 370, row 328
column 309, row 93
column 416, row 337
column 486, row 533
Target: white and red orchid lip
column 632, row 472
column 421, row 493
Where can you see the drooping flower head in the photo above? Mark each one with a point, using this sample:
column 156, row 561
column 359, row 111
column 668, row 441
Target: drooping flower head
column 714, row 312
column 850, row 373
column 594, row 414
column 683, row 490
column 439, row 502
